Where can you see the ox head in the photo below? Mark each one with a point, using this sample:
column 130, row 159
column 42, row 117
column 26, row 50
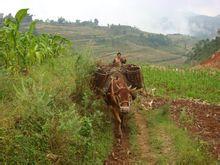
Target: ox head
column 123, row 98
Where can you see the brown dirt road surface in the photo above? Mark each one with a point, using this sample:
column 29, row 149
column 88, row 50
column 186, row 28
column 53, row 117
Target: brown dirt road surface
column 142, row 138
column 120, row 153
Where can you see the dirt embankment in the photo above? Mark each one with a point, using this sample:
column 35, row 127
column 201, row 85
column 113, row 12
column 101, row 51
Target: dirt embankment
column 213, row 62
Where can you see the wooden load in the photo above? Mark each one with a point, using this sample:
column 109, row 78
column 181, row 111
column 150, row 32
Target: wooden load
column 134, row 76
column 131, row 72
column 100, row 79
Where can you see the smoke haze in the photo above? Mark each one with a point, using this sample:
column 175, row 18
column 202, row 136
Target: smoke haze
column 161, row 16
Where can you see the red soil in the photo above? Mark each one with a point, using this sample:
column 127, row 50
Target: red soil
column 213, row 62
column 206, row 120
column 120, row 152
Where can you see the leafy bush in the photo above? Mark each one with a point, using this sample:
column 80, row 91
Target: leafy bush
column 84, row 68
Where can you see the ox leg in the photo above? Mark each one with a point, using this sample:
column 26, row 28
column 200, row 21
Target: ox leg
column 118, row 121
column 124, row 121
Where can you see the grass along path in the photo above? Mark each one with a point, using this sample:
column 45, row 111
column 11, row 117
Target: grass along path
column 40, row 124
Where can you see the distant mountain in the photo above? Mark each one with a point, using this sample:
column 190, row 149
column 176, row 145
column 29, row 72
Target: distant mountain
column 201, row 26
column 204, row 26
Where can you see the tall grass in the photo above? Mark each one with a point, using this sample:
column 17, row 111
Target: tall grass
column 41, row 124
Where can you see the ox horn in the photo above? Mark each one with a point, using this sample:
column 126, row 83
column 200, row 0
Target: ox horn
column 133, row 89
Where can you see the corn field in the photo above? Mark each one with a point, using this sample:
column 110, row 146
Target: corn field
column 20, row 50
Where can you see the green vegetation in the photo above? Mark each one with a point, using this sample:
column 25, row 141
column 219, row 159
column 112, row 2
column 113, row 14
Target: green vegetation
column 204, row 49
column 172, row 144
column 45, row 118
column 39, row 119
column 20, row 50
column 183, row 83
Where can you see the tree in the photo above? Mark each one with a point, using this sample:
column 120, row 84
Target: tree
column 28, row 18
column 77, row 21
column 96, row 21
column 218, row 32
column 61, row 20
column 1, row 17
column 9, row 16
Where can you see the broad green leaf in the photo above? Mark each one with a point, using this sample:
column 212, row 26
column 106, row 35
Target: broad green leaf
column 32, row 27
column 39, row 57
column 20, row 15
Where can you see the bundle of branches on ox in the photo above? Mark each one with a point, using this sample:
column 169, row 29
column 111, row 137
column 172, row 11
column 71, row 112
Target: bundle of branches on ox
column 119, row 97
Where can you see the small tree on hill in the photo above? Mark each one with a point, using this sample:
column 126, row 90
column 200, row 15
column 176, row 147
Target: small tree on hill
column 218, row 32
column 28, row 18
column 1, row 17
column 61, row 20
column 77, row 21
column 96, row 21
column 9, row 16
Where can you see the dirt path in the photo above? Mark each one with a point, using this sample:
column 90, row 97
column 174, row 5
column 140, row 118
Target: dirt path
column 143, row 139
column 120, row 152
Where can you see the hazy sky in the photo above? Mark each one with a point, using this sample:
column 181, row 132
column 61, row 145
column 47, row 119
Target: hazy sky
column 144, row 14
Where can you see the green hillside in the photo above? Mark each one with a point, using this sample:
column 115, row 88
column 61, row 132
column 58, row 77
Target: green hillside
column 137, row 45
column 203, row 50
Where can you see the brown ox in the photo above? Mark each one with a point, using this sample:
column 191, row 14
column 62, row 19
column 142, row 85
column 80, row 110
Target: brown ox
column 119, row 97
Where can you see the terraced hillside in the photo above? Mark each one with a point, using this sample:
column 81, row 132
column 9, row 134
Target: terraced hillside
column 138, row 46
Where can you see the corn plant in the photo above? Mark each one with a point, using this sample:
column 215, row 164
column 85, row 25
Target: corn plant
column 20, row 50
